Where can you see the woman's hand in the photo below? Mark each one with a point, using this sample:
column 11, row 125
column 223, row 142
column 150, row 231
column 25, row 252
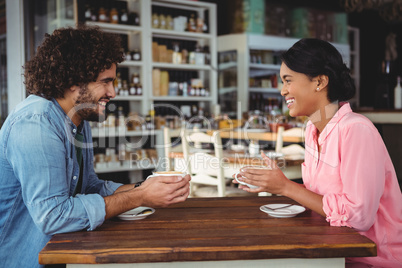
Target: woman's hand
column 270, row 180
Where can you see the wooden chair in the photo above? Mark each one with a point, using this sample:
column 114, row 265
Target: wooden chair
column 207, row 170
column 171, row 146
column 292, row 172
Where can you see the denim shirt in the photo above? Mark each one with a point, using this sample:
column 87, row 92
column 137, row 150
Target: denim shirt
column 38, row 174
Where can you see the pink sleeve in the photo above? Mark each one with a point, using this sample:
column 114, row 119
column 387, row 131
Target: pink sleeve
column 362, row 158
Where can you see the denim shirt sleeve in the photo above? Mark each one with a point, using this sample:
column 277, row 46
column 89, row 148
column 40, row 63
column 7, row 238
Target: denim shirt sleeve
column 37, row 151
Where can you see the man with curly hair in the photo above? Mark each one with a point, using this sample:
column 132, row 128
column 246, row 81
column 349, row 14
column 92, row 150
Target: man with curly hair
column 47, row 180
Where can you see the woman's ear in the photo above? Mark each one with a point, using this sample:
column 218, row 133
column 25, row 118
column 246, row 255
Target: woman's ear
column 322, row 81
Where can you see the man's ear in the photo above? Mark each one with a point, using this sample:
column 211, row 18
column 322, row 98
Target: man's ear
column 74, row 88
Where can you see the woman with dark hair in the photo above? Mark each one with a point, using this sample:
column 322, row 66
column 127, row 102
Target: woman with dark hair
column 348, row 175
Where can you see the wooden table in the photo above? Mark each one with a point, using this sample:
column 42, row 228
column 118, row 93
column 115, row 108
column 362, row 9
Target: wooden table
column 211, row 232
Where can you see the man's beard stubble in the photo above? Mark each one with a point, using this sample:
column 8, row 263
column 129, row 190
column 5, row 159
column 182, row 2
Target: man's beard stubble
column 87, row 108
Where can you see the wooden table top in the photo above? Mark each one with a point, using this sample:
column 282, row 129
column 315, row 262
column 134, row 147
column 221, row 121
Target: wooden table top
column 202, row 229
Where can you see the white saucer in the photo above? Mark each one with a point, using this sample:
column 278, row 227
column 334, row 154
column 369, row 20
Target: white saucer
column 287, row 212
column 131, row 214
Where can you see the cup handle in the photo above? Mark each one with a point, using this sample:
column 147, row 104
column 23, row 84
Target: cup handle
column 150, row 176
column 237, row 179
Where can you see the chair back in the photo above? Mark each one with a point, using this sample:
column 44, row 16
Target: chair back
column 170, row 145
column 205, row 168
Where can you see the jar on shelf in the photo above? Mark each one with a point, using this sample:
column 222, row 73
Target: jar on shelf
column 123, row 18
column 200, row 25
column 135, row 78
column 192, row 26
column 127, row 56
column 88, row 13
column 162, row 21
column 134, row 19
column 177, row 56
column 155, row 20
column 132, row 91
column 139, row 89
column 102, row 15
column 114, row 16
column 136, row 55
column 124, row 89
column 169, row 22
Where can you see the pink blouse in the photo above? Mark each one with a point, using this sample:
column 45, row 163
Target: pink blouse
column 355, row 175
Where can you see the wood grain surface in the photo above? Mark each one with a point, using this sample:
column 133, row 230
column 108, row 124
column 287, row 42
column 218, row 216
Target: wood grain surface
column 202, row 229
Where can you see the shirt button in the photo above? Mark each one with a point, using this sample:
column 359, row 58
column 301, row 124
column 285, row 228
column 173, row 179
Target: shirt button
column 75, row 177
column 345, row 218
column 74, row 130
column 311, row 185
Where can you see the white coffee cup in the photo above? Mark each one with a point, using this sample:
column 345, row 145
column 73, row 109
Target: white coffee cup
column 167, row 174
column 237, row 175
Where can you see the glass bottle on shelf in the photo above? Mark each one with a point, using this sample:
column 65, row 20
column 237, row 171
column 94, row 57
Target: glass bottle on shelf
column 184, row 56
column 114, row 16
column 120, row 118
column 136, row 55
column 200, row 25
column 135, row 78
column 177, row 56
column 88, row 13
column 169, row 22
column 117, row 83
column 134, row 19
column 155, row 20
column 132, row 91
column 199, row 56
column 139, row 89
column 162, row 21
column 123, row 16
column 94, row 15
column 192, row 27
column 102, row 16
column 124, row 89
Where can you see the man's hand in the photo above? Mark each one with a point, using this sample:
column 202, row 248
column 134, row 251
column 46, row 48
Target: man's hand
column 155, row 192
column 165, row 190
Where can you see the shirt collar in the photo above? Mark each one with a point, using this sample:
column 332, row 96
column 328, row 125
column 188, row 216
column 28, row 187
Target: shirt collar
column 342, row 111
column 71, row 128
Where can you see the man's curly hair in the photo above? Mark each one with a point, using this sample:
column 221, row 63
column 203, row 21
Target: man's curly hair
column 71, row 57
